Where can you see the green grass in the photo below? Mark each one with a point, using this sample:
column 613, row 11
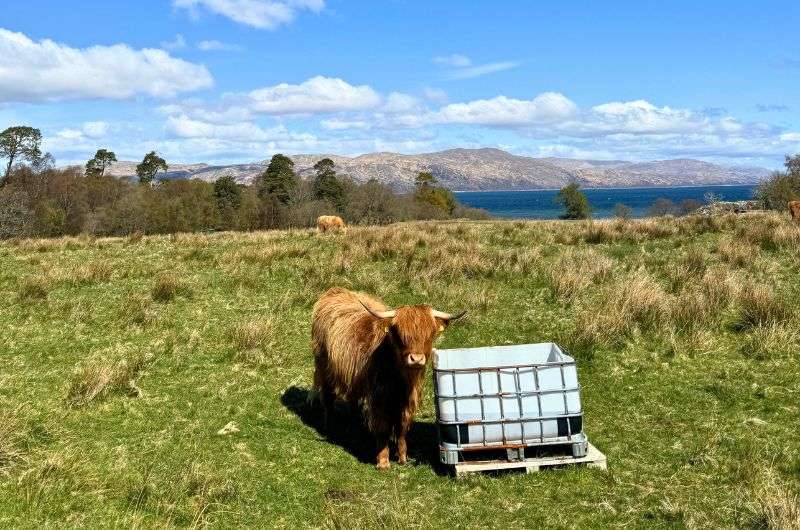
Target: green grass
column 121, row 359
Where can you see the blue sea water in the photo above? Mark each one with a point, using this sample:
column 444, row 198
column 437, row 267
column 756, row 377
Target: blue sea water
column 538, row 204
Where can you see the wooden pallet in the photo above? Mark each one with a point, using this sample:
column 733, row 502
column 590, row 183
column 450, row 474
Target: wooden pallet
column 593, row 458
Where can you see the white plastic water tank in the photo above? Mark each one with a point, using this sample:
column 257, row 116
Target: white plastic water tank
column 525, row 394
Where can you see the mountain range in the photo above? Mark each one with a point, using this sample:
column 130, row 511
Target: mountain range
column 486, row 169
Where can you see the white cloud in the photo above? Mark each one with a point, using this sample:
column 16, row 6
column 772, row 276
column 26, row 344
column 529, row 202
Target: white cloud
column 90, row 130
column 455, row 60
column 178, row 43
column 483, row 69
column 336, row 124
column 215, row 45
column 261, row 14
column 95, row 129
column 398, row 102
column 503, row 111
column 49, row 71
column 185, row 127
column 436, row 95
column 316, row 95
column 462, row 67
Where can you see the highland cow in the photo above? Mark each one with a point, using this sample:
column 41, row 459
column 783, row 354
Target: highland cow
column 330, row 222
column 794, row 210
column 374, row 358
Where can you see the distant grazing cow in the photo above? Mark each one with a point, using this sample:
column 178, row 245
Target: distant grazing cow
column 370, row 356
column 794, row 210
column 329, row 222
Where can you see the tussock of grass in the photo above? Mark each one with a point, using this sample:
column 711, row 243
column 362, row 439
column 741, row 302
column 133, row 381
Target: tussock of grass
column 574, row 271
column 100, row 377
column 738, row 253
column 634, row 301
column 11, row 439
column 137, row 309
column 771, row 341
column 772, row 504
column 769, row 232
column 96, row 271
column 34, row 287
column 758, row 305
column 385, row 509
column 167, row 286
column 255, row 342
column 135, row 237
column 266, row 255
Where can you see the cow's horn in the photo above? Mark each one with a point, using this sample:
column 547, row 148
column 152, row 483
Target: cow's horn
column 447, row 316
column 379, row 314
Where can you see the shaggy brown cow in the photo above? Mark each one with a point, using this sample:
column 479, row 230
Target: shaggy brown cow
column 370, row 356
column 329, row 222
column 794, row 210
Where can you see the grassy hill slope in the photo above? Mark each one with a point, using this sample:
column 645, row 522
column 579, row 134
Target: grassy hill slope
column 120, row 360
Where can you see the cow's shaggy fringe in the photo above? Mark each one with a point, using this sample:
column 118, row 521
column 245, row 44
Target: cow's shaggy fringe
column 99, row 377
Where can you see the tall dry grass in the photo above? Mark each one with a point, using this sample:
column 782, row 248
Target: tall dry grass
column 758, row 305
column 12, row 437
column 100, row 376
column 256, row 342
column 167, row 286
column 575, row 270
column 634, row 301
column 771, row 503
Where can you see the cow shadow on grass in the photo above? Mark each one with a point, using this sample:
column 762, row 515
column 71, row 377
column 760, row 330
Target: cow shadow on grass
column 347, row 430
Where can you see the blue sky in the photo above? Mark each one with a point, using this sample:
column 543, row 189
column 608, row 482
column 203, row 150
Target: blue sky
column 238, row 80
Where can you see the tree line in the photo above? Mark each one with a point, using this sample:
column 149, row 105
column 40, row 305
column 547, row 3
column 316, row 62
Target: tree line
column 38, row 199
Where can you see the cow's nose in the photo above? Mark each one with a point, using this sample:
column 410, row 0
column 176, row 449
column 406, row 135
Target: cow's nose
column 416, row 359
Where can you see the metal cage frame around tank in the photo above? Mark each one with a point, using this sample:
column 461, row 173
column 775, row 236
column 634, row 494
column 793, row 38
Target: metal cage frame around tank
column 450, row 456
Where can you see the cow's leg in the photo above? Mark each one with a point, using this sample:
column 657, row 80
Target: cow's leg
column 322, row 387
column 383, row 452
column 401, row 430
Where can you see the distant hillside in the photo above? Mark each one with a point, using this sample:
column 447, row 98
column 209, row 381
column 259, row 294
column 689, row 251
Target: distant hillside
column 489, row 169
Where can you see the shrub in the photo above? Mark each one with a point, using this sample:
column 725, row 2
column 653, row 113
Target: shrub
column 662, row 207
column 775, row 193
column 623, row 211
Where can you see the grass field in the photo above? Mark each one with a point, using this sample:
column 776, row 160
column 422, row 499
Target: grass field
column 122, row 359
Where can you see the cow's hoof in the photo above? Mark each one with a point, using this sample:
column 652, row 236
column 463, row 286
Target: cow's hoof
column 402, row 460
column 383, row 466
